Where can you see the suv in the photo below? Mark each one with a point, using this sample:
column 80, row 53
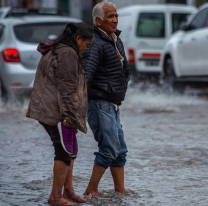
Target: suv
column 145, row 29
column 185, row 56
column 19, row 38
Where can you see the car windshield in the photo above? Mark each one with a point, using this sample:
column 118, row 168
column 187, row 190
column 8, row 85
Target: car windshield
column 177, row 19
column 34, row 33
column 151, row 25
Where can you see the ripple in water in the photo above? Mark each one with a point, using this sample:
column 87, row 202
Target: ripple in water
column 112, row 198
column 38, row 184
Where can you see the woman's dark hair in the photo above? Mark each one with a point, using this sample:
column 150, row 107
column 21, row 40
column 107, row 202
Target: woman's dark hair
column 72, row 30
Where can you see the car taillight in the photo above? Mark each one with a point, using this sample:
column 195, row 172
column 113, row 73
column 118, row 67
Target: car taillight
column 131, row 56
column 151, row 55
column 10, row 55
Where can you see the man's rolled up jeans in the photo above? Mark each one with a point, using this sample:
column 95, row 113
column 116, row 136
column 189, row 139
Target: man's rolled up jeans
column 104, row 122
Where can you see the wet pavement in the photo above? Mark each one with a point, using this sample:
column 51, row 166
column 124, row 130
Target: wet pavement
column 167, row 160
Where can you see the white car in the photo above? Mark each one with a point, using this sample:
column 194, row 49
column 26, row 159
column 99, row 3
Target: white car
column 145, row 29
column 185, row 56
column 19, row 58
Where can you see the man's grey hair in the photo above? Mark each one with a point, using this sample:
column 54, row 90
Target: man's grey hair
column 98, row 10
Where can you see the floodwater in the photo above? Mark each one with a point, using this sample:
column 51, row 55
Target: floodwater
column 167, row 165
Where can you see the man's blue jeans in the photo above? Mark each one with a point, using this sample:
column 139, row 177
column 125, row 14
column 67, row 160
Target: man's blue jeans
column 104, row 122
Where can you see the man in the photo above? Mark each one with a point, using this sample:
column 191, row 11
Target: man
column 107, row 74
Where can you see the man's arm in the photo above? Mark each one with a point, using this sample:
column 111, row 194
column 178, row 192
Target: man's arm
column 67, row 79
column 126, row 65
column 127, row 69
column 91, row 61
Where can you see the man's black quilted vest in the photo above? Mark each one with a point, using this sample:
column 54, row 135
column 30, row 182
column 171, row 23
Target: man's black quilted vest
column 107, row 79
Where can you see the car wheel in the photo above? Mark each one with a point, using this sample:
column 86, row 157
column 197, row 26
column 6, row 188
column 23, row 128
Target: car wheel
column 170, row 83
column 3, row 92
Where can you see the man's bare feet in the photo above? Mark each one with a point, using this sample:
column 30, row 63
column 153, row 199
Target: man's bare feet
column 59, row 201
column 92, row 193
column 69, row 194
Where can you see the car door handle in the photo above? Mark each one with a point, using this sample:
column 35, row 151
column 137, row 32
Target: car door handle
column 193, row 39
column 180, row 42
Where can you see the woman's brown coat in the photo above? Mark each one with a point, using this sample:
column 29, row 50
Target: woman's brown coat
column 59, row 92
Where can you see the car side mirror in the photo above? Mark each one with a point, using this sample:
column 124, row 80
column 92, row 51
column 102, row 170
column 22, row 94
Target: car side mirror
column 183, row 26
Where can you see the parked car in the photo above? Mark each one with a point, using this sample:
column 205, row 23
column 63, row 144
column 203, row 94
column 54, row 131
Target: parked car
column 145, row 29
column 6, row 12
column 185, row 56
column 19, row 38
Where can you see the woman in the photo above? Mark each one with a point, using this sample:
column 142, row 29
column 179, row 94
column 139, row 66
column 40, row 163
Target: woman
column 59, row 102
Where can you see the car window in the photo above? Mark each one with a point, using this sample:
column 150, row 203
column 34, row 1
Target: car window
column 200, row 20
column 151, row 25
column 34, row 33
column 177, row 19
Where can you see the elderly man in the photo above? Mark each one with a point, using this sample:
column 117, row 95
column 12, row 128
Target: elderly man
column 107, row 74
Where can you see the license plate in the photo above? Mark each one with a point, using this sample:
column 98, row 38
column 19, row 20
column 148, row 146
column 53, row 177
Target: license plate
column 152, row 63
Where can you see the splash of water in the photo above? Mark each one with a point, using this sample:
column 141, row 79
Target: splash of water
column 153, row 100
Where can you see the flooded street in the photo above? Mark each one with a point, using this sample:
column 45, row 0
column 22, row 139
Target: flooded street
column 167, row 162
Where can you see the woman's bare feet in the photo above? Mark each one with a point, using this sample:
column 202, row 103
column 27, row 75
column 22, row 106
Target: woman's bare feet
column 69, row 194
column 59, row 201
column 92, row 193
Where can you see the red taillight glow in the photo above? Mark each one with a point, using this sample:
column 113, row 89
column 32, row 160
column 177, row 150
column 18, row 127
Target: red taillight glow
column 151, row 55
column 131, row 56
column 10, row 55
column 17, row 85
